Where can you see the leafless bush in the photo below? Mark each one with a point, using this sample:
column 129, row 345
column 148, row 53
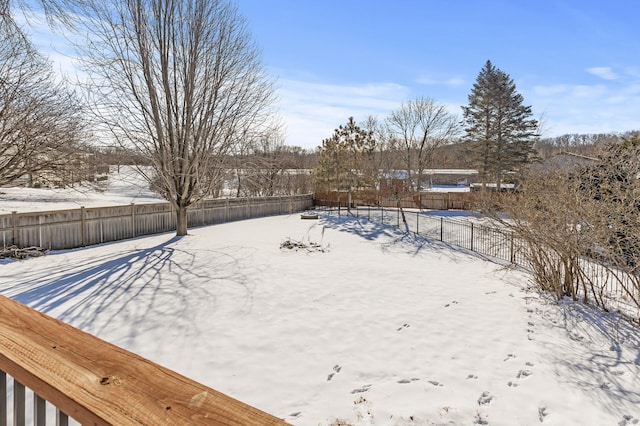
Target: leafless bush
column 549, row 228
column 580, row 227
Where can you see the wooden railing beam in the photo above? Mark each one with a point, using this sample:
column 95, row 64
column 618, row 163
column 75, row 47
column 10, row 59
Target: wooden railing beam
column 97, row 383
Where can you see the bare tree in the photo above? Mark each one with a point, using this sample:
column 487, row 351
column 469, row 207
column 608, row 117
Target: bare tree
column 386, row 161
column 40, row 122
column 419, row 127
column 180, row 81
column 586, row 246
column 261, row 163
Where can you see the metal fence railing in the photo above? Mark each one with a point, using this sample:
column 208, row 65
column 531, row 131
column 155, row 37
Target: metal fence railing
column 486, row 240
column 617, row 290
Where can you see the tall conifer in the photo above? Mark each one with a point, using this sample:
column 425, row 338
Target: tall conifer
column 498, row 127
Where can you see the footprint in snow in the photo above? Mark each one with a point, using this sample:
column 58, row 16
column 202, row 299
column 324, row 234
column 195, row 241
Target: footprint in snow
column 542, row 414
column 509, row 356
column 295, row 415
column 403, row 326
column 434, row 383
column 523, row 373
column 628, row 420
column 361, row 390
column 405, row 381
column 485, row 398
column 336, row 369
column 472, row 376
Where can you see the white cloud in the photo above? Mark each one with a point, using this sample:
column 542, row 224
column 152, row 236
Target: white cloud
column 312, row 111
column 453, row 81
column 580, row 108
column 583, row 91
column 605, row 73
column 552, row 90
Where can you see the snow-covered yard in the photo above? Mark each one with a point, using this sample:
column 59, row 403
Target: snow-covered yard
column 124, row 186
column 377, row 328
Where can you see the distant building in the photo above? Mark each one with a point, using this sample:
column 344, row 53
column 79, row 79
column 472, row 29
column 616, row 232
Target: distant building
column 568, row 161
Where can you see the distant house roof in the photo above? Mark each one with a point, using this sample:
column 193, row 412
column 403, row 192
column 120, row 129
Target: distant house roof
column 565, row 159
column 402, row 174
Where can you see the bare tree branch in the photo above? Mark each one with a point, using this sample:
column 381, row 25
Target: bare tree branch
column 178, row 81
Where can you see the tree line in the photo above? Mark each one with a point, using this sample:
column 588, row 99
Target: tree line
column 496, row 134
column 179, row 86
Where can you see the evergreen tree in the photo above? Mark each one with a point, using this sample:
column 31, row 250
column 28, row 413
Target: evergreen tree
column 498, row 127
column 344, row 159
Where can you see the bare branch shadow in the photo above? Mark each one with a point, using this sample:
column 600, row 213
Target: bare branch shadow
column 606, row 371
column 407, row 241
column 136, row 287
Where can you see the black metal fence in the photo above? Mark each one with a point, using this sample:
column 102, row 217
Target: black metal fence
column 615, row 289
column 466, row 233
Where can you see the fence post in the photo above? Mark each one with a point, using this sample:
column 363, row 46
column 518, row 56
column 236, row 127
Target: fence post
column 441, row 228
column 40, row 230
column 133, row 221
column 14, row 218
column 471, row 236
column 83, row 222
column 418, row 217
column 512, row 254
column 226, row 210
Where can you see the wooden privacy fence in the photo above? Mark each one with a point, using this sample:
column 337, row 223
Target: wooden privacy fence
column 423, row 200
column 65, row 229
column 96, row 383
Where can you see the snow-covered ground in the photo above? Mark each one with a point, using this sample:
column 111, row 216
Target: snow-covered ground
column 376, row 328
column 124, row 186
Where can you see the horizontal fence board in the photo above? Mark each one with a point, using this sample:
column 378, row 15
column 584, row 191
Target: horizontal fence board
column 66, row 229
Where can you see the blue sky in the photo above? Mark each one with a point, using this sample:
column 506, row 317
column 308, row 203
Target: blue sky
column 576, row 62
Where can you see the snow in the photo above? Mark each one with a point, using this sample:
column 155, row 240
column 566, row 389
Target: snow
column 124, row 186
column 372, row 327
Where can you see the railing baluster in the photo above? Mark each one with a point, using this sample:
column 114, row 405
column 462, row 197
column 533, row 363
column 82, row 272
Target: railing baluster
column 3, row 398
column 18, row 403
column 39, row 411
column 61, row 418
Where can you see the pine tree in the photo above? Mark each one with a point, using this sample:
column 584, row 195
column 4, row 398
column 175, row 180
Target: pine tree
column 498, row 127
column 343, row 159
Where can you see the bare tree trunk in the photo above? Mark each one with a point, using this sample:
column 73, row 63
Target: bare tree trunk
column 181, row 221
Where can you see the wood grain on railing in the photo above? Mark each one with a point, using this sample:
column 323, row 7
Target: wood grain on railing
column 98, row 383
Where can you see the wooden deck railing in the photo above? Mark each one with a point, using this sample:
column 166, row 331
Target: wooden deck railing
column 97, row 383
